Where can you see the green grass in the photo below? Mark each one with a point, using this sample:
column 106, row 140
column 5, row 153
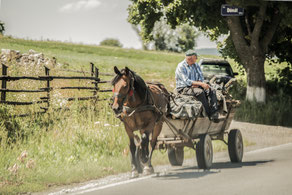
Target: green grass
column 276, row 111
column 63, row 147
column 87, row 142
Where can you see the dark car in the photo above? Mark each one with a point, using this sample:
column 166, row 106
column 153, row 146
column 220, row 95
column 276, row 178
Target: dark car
column 217, row 67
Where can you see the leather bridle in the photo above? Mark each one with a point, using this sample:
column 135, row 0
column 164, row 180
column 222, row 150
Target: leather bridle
column 128, row 94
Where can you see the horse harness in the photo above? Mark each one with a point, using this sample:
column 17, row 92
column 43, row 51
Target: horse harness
column 145, row 106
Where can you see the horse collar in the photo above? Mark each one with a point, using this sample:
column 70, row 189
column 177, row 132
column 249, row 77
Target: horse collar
column 131, row 92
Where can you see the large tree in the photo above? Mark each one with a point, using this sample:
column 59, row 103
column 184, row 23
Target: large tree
column 260, row 33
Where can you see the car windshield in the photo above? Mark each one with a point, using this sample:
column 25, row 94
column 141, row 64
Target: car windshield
column 215, row 69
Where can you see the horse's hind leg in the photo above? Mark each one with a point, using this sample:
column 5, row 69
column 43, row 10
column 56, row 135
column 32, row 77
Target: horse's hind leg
column 157, row 129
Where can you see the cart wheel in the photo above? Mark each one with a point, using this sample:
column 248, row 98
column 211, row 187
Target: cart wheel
column 176, row 155
column 235, row 145
column 204, row 152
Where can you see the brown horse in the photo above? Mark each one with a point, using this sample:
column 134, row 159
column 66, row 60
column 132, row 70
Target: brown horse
column 140, row 107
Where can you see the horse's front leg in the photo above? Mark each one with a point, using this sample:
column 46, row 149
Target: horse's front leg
column 156, row 131
column 133, row 151
column 133, row 159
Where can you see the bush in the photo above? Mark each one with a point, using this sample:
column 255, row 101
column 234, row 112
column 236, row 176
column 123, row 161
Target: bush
column 276, row 111
column 2, row 27
column 9, row 127
column 280, row 81
column 111, row 42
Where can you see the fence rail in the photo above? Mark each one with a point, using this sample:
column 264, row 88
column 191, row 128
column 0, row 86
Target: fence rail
column 47, row 78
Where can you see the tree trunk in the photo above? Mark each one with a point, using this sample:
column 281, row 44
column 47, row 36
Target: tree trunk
column 256, row 81
column 252, row 57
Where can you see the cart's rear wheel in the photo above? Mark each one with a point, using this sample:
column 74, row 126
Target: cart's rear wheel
column 175, row 155
column 235, row 145
column 204, row 152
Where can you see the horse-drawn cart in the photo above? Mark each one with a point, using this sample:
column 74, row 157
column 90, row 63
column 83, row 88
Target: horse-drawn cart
column 198, row 134
column 148, row 108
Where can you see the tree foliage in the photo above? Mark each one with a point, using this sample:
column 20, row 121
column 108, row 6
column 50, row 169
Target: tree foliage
column 178, row 40
column 207, row 17
column 111, row 42
column 264, row 30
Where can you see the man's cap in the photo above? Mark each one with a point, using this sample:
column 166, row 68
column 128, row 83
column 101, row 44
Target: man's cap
column 191, row 52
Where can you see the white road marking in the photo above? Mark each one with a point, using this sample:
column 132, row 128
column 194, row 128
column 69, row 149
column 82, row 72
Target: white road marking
column 268, row 148
column 116, row 184
column 91, row 187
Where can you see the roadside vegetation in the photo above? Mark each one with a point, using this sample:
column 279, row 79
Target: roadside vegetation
column 87, row 141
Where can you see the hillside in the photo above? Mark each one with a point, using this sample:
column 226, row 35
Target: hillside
column 151, row 65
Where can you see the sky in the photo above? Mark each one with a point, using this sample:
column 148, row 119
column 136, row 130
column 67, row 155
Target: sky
column 78, row 21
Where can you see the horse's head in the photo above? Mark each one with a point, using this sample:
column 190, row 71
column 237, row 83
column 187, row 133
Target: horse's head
column 123, row 86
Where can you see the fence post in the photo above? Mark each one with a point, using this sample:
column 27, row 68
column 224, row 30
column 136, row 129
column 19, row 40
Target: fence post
column 96, row 74
column 92, row 69
column 47, row 72
column 4, row 82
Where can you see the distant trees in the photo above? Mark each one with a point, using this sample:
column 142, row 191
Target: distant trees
column 180, row 39
column 2, row 28
column 165, row 38
column 111, row 42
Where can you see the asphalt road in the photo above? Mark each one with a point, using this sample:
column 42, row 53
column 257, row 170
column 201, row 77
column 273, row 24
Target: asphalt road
column 263, row 171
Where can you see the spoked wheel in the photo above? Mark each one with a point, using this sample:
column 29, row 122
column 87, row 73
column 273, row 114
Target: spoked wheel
column 175, row 155
column 235, row 145
column 204, row 152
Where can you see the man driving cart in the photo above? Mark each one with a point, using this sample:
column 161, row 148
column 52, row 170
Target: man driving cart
column 190, row 81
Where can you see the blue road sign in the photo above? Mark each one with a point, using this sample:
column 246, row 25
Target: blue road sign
column 229, row 10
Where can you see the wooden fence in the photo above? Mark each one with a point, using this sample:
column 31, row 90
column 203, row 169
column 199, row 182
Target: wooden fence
column 94, row 79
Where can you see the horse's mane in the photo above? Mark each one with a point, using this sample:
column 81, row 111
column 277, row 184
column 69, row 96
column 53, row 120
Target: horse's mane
column 139, row 84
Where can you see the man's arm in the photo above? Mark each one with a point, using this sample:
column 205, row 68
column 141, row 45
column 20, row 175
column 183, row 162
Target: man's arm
column 200, row 84
column 201, row 79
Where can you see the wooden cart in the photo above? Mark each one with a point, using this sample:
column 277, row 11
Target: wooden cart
column 198, row 134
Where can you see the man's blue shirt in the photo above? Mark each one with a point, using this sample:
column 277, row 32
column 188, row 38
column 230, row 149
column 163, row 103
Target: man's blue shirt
column 186, row 74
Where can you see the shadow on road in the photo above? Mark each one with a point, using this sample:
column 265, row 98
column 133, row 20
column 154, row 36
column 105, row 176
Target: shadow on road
column 194, row 172
column 184, row 174
column 229, row 165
